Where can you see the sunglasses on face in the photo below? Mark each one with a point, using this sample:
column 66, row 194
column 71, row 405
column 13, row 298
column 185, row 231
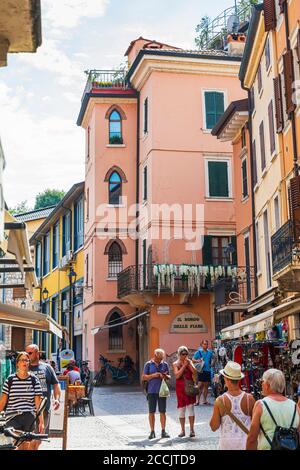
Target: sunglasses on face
column 184, row 354
column 24, row 360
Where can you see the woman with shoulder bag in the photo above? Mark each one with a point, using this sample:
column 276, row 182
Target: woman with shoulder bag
column 232, row 410
column 184, row 371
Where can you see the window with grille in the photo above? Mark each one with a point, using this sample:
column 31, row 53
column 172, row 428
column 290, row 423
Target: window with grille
column 115, row 332
column 115, row 262
column 223, row 320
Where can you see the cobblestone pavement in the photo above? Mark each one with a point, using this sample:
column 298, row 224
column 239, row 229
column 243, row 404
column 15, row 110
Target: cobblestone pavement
column 121, row 422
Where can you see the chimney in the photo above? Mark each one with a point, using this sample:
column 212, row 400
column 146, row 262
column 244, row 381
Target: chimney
column 236, row 44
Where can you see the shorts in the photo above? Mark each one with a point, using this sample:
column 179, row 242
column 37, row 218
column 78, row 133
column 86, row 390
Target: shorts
column 204, row 376
column 153, row 399
column 46, row 422
column 24, row 422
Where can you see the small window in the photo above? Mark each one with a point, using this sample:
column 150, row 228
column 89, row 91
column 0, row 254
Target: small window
column 115, row 128
column 146, row 116
column 244, row 178
column 115, row 260
column 38, row 250
column 78, row 224
column 145, row 184
column 259, row 79
column 214, row 108
column 115, row 188
column 218, row 179
column 267, row 54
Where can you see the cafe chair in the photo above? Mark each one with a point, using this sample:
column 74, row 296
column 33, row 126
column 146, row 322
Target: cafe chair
column 88, row 400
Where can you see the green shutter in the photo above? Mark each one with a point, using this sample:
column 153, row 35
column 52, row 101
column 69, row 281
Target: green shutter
column 206, row 250
column 234, row 254
column 218, row 179
column 214, row 107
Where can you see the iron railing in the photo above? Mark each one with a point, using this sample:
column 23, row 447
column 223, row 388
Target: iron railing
column 106, row 79
column 230, row 289
column 282, row 246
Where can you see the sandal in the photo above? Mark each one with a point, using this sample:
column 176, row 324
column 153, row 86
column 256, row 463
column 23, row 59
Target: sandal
column 192, row 434
column 182, row 434
column 205, row 403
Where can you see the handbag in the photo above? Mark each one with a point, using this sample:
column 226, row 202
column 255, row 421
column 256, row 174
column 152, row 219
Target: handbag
column 199, row 366
column 190, row 388
column 164, row 391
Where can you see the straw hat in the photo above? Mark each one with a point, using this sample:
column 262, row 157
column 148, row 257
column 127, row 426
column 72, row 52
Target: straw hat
column 232, row 371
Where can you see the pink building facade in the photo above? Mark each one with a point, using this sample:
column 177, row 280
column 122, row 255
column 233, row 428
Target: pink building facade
column 154, row 283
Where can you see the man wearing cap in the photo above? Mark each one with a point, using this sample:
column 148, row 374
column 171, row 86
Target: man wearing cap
column 237, row 403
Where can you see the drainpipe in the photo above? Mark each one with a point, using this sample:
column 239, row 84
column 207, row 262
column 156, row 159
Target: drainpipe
column 252, row 192
column 293, row 120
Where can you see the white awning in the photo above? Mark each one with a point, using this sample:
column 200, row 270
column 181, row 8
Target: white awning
column 96, row 329
column 262, row 322
column 16, row 316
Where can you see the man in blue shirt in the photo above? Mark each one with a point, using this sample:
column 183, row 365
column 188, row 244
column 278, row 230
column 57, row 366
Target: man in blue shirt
column 155, row 371
column 204, row 377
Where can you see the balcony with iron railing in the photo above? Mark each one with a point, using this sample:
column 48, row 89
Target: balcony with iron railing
column 107, row 81
column 235, row 284
column 286, row 258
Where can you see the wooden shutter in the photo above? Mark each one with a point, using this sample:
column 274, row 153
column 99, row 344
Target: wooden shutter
column 206, row 250
column 254, row 163
column 218, row 179
column 294, row 205
column 271, row 127
column 281, row 5
column 262, row 145
column 278, row 104
column 269, row 15
column 288, row 80
column 298, row 46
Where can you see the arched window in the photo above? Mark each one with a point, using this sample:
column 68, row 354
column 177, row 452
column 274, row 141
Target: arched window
column 115, row 128
column 115, row 261
column 115, row 332
column 115, row 188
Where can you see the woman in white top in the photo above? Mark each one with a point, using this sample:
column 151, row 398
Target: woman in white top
column 282, row 408
column 239, row 403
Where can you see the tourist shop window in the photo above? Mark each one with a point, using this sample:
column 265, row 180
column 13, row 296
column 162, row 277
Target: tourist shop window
column 244, row 178
column 55, row 245
column 214, row 107
column 115, row 260
column 115, row 332
column 146, row 116
column 267, row 54
column 115, row 188
column 66, row 241
column 46, row 254
column 78, row 224
column 115, row 128
column 38, row 254
column 218, row 179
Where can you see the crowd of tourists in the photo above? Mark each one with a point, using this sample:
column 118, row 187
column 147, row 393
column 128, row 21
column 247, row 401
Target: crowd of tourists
column 245, row 424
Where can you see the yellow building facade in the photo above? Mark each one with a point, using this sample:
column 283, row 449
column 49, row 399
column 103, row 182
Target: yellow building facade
column 59, row 265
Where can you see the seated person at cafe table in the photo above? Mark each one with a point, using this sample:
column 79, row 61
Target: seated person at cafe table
column 74, row 375
column 73, row 363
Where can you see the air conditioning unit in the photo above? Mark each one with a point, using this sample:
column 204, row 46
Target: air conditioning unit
column 65, row 305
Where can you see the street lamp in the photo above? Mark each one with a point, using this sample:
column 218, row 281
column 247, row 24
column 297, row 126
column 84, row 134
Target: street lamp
column 72, row 276
column 45, row 293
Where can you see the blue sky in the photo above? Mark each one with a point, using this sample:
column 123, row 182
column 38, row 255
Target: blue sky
column 40, row 93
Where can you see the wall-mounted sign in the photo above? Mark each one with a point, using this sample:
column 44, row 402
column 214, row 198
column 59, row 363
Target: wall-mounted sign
column 188, row 323
column 78, row 319
column 163, row 310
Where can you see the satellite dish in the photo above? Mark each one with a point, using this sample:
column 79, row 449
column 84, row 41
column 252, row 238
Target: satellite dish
column 233, row 24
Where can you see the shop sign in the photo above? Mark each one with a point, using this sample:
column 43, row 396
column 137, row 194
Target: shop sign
column 188, row 323
column 78, row 319
column 163, row 310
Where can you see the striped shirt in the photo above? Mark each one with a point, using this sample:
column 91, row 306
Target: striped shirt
column 21, row 393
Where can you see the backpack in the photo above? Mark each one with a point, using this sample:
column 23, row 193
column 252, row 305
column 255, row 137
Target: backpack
column 284, row 438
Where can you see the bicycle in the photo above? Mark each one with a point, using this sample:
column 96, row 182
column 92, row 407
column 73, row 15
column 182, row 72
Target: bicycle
column 10, row 438
column 117, row 373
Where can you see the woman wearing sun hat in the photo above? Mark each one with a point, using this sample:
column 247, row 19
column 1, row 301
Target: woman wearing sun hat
column 236, row 402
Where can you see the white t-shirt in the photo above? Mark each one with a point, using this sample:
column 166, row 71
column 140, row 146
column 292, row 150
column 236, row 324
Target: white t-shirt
column 73, row 376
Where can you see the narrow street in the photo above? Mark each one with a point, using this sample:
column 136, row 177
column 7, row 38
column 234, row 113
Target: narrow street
column 121, row 422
